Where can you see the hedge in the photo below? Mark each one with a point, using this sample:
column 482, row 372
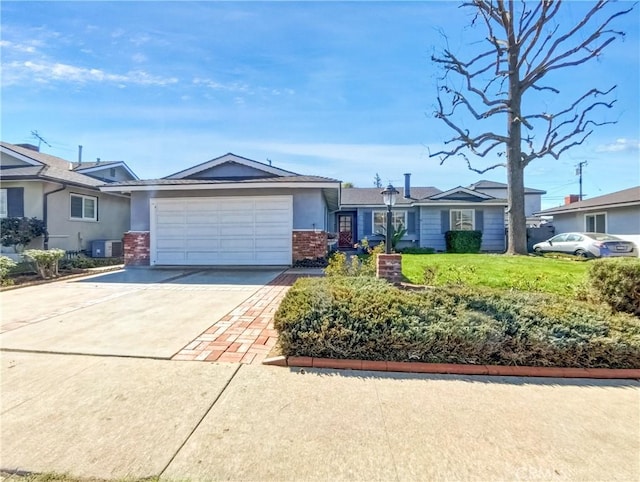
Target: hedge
column 615, row 282
column 369, row 319
column 463, row 241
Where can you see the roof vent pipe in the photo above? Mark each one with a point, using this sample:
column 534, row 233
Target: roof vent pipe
column 407, row 185
column 79, row 154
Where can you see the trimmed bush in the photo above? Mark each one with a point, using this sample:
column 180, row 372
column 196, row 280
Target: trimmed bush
column 463, row 241
column 366, row 318
column 5, row 266
column 46, row 262
column 616, row 282
column 20, row 231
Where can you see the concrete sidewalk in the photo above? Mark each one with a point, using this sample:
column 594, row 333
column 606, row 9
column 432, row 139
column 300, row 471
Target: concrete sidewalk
column 110, row 417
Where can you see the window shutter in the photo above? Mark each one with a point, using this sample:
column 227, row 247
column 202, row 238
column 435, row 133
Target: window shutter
column 15, row 202
column 411, row 222
column 444, row 221
column 479, row 220
column 366, row 218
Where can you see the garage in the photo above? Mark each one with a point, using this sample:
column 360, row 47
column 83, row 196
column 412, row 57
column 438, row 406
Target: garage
column 225, row 231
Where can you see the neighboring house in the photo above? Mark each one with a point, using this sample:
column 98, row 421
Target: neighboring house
column 532, row 197
column 426, row 212
column 64, row 195
column 617, row 213
column 228, row 211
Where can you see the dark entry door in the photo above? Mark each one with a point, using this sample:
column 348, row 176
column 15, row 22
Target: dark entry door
column 345, row 231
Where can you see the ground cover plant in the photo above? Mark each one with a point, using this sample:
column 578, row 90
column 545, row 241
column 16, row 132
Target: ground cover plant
column 366, row 318
column 560, row 275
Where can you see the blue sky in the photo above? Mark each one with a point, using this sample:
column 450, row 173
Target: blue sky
column 342, row 90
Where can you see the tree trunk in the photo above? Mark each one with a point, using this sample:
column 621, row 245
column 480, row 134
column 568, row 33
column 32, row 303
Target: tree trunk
column 517, row 239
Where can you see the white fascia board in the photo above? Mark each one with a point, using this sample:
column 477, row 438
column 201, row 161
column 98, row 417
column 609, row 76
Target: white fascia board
column 590, row 208
column 464, row 190
column 213, row 187
column 230, row 158
column 463, row 203
column 22, row 157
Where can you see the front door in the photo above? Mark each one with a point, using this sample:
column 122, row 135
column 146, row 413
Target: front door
column 345, row 231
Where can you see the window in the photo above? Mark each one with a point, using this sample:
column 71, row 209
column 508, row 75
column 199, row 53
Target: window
column 595, row 223
column 84, row 207
column 112, row 172
column 462, row 220
column 398, row 219
column 3, row 204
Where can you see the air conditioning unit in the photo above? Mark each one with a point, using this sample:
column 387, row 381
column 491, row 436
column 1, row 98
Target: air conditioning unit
column 106, row 248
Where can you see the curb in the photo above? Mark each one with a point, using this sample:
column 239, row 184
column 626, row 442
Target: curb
column 453, row 369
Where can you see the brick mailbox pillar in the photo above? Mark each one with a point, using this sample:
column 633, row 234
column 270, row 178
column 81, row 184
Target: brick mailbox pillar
column 389, row 267
column 136, row 248
column 309, row 245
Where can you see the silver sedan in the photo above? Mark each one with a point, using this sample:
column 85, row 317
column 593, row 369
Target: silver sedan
column 598, row 245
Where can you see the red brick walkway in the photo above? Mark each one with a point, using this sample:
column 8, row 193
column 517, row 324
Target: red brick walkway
column 246, row 334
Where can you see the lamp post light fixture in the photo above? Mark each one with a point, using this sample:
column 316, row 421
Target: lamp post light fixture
column 389, row 196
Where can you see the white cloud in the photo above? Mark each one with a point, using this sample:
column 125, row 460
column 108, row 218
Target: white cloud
column 139, row 58
column 231, row 87
column 29, row 48
column 47, row 72
column 620, row 145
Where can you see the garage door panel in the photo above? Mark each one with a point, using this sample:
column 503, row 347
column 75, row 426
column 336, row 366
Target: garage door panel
column 222, row 231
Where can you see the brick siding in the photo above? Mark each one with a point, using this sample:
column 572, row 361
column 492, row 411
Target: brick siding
column 136, row 248
column 309, row 245
column 389, row 267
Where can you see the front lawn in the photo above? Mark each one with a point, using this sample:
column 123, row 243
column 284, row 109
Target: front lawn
column 523, row 273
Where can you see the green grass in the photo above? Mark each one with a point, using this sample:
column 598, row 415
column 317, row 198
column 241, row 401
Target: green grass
column 522, row 273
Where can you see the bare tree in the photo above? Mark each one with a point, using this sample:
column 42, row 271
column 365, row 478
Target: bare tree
column 524, row 44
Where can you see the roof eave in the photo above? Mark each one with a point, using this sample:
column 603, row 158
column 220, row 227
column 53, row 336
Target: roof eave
column 210, row 186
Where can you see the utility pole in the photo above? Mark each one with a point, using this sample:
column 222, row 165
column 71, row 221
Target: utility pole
column 579, row 173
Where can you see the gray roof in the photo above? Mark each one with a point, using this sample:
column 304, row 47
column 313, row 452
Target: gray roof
column 484, row 184
column 626, row 197
column 52, row 168
column 370, row 196
column 89, row 165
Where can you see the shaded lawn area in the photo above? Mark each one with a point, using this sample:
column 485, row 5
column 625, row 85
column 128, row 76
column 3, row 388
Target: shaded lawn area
column 522, row 273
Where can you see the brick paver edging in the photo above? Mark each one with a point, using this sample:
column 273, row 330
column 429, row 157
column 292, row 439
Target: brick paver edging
column 453, row 369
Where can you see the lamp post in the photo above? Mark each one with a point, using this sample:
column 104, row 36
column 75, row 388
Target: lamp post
column 389, row 196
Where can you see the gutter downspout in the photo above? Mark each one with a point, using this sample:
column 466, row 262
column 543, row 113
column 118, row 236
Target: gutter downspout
column 45, row 216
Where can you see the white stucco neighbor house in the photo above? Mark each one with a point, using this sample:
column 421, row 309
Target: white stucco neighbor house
column 65, row 195
column 617, row 213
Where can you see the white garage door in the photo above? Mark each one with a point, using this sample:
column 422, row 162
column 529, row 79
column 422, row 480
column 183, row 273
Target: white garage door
column 221, row 231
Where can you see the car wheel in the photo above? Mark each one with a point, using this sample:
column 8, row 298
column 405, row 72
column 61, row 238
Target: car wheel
column 581, row 253
column 537, row 251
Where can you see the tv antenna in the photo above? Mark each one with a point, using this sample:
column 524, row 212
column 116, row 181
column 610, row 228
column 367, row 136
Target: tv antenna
column 40, row 139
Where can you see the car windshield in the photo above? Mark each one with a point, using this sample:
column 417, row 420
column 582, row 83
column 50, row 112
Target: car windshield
column 602, row 237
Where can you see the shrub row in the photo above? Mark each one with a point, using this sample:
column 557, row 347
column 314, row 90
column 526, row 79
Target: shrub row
column 615, row 282
column 368, row 319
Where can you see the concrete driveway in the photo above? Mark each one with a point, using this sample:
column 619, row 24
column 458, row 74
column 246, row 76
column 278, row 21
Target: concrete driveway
column 150, row 313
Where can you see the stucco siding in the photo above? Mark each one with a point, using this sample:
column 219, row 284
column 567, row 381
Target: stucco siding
column 308, row 204
column 69, row 234
column 8, row 160
column 623, row 220
column 32, row 196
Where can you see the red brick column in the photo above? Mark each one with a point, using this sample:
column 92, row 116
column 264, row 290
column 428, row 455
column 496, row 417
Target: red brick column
column 389, row 267
column 136, row 248
column 309, row 245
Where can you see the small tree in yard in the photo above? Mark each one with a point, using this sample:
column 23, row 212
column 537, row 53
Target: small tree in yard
column 19, row 232
column 525, row 43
